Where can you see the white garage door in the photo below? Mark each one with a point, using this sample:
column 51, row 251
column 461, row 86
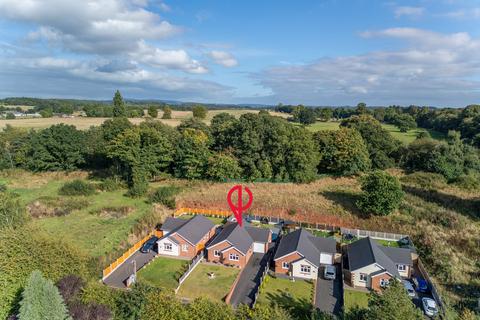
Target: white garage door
column 326, row 258
column 259, row 247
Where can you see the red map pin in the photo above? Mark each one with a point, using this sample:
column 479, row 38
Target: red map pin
column 239, row 207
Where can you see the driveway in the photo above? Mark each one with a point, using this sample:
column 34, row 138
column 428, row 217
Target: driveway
column 117, row 278
column 249, row 280
column 328, row 294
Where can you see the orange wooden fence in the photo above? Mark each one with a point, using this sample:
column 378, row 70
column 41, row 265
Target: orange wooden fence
column 129, row 252
column 207, row 212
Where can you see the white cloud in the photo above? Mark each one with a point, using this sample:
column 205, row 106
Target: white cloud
column 223, row 58
column 96, row 26
column 176, row 59
column 433, row 68
column 413, row 12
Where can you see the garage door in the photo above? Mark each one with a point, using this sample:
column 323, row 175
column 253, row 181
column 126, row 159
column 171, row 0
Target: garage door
column 326, row 258
column 259, row 247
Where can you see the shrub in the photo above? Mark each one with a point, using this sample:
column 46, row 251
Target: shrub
column 77, row 188
column 165, row 195
column 12, row 213
column 3, row 187
column 382, row 193
column 112, row 184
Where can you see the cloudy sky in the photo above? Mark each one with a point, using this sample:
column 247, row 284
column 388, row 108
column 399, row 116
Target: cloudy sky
column 311, row 52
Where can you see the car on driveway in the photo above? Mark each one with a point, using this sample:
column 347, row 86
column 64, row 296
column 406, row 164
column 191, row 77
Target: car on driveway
column 421, row 285
column 409, row 287
column 148, row 245
column 330, row 272
column 429, row 307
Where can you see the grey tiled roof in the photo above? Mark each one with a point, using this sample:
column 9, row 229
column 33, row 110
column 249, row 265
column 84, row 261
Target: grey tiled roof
column 258, row 234
column 192, row 230
column 236, row 235
column 306, row 244
column 367, row 251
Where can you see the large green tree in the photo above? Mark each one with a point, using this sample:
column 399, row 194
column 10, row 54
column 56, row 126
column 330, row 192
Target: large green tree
column 59, row 147
column 392, row 304
column 304, row 115
column 222, row 167
column 167, row 113
column 192, row 154
column 199, row 112
column 153, row 112
column 41, row 300
column 380, row 143
column 342, row 152
column 404, row 122
column 119, row 109
column 222, row 128
column 382, row 193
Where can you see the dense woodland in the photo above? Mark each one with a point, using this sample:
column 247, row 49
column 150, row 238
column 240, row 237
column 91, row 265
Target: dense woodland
column 254, row 147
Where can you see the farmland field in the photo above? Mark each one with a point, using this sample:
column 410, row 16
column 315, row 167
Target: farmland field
column 405, row 137
column 86, row 122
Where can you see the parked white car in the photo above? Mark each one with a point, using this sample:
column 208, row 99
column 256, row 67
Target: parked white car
column 429, row 307
column 330, row 272
column 409, row 287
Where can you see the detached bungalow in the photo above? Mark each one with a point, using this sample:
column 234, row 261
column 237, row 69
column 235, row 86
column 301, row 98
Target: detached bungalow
column 234, row 245
column 185, row 238
column 371, row 265
column 300, row 254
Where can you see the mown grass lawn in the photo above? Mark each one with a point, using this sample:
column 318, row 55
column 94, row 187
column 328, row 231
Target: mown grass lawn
column 387, row 243
column 355, row 298
column 296, row 297
column 198, row 284
column 163, row 272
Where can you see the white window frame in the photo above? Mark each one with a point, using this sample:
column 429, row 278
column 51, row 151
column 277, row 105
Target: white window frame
column 305, row 268
column 233, row 257
column 167, row 247
column 363, row 277
column 401, row 267
column 216, row 253
column 285, row 265
column 184, row 247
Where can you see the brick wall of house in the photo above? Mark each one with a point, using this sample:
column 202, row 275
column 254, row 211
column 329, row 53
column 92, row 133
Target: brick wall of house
column 219, row 247
column 375, row 281
column 191, row 251
column 290, row 258
column 224, row 256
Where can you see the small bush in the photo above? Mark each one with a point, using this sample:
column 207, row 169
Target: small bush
column 77, row 188
column 112, row 184
column 3, row 187
column 165, row 195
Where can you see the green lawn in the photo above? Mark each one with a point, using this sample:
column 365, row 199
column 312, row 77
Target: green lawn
column 213, row 219
column 322, row 234
column 296, row 297
column 198, row 283
column 355, row 298
column 405, row 137
column 387, row 243
column 163, row 272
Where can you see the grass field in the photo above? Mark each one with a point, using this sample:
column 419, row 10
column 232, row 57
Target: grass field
column 198, row 284
column 213, row 219
column 293, row 296
column 85, row 123
column 355, row 298
column 163, row 272
column 405, row 137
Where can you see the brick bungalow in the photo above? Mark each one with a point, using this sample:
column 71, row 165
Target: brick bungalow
column 235, row 244
column 185, row 238
column 301, row 255
column 371, row 265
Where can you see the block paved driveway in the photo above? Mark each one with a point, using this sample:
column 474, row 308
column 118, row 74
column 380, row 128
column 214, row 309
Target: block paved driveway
column 328, row 295
column 249, row 280
column 117, row 278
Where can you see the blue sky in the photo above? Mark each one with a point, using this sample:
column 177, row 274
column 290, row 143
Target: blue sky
column 310, row 52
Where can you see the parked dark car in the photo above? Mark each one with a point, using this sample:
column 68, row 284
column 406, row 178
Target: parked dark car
column 421, row 285
column 148, row 245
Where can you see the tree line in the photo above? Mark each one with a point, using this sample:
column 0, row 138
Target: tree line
column 255, row 147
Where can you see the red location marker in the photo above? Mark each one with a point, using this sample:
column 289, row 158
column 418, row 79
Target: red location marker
column 238, row 208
